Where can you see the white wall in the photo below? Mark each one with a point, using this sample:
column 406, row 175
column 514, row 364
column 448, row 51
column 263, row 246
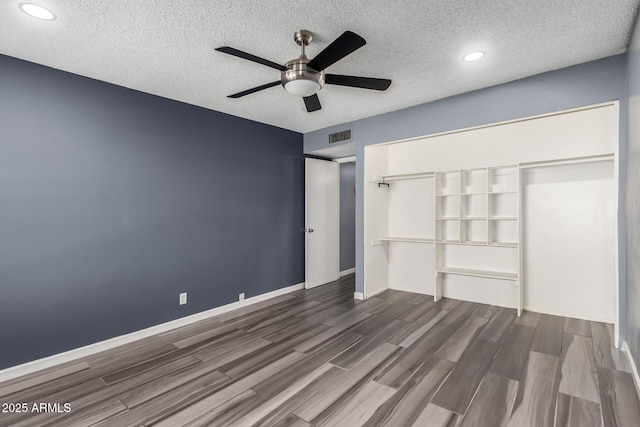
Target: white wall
column 569, row 229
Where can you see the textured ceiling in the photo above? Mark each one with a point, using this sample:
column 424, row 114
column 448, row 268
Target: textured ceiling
column 166, row 47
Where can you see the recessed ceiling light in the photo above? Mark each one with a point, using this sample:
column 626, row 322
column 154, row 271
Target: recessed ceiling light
column 37, row 11
column 473, row 56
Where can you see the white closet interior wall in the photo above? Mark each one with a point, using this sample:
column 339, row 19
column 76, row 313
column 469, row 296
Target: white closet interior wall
column 570, row 210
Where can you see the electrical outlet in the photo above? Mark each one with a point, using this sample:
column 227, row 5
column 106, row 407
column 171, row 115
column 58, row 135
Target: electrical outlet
column 183, row 298
column 241, row 297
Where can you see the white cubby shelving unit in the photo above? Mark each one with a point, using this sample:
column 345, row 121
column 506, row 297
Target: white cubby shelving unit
column 516, row 214
column 474, row 208
column 476, row 223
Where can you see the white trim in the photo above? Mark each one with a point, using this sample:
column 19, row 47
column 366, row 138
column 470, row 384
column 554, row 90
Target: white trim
column 379, row 291
column 634, row 369
column 616, row 239
column 347, row 272
column 572, row 315
column 358, row 295
column 68, row 356
column 349, row 159
column 615, row 102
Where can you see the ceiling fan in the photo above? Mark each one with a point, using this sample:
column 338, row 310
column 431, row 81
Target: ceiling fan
column 305, row 77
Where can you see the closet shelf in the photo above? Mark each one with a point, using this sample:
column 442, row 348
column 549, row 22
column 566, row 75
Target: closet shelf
column 467, row 218
column 478, row 243
column 504, row 244
column 406, row 239
column 478, row 273
column 467, row 242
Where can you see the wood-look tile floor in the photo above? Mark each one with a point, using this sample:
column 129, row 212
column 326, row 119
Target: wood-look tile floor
column 319, row 357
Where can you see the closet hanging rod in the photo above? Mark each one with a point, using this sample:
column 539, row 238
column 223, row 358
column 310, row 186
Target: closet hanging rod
column 568, row 161
column 397, row 177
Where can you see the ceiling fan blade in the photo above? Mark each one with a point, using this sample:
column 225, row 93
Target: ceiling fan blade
column 312, row 103
column 355, row 81
column 347, row 43
column 244, row 55
column 255, row 89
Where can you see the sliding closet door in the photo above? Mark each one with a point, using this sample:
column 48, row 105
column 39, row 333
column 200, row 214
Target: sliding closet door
column 569, row 239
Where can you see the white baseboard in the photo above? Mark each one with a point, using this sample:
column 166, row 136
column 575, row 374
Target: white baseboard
column 373, row 294
column 565, row 314
column 68, row 356
column 360, row 295
column 634, row 369
column 347, row 272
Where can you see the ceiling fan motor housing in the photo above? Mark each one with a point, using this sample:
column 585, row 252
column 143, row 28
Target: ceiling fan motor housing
column 300, row 79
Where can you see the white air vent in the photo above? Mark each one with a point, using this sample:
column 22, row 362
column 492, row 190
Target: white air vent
column 341, row 136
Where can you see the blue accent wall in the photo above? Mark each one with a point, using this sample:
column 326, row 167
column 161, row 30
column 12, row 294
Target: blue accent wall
column 112, row 202
column 633, row 198
column 585, row 84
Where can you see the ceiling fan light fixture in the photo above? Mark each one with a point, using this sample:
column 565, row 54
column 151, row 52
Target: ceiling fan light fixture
column 37, row 11
column 301, row 80
column 302, row 87
column 473, row 56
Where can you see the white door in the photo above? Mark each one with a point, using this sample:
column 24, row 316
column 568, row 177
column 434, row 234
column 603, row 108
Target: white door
column 322, row 230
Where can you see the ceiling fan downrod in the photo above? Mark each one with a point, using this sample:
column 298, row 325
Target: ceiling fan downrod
column 303, row 38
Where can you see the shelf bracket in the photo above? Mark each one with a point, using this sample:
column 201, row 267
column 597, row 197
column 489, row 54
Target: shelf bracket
column 383, row 184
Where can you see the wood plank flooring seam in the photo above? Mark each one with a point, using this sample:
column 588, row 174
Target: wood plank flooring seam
column 19, row 386
column 458, row 390
column 493, row 402
column 222, row 395
column 350, row 383
column 405, row 406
